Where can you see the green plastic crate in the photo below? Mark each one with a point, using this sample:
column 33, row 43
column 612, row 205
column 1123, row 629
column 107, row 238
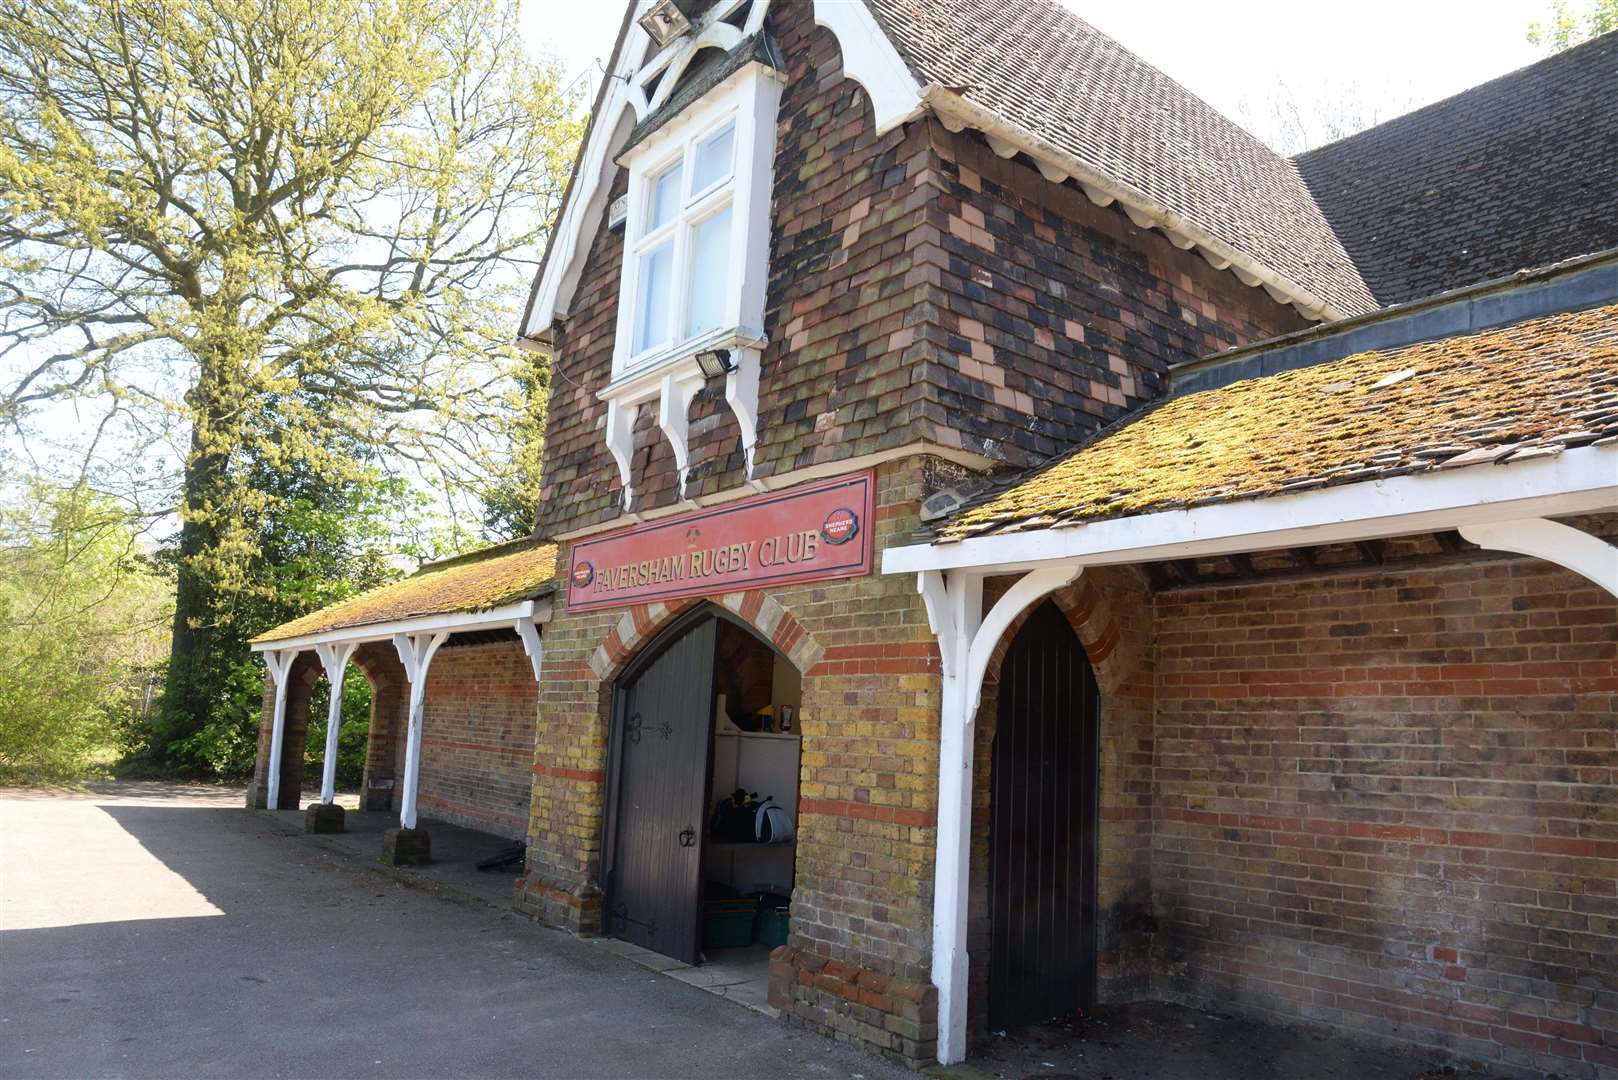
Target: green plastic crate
column 728, row 924
column 772, row 926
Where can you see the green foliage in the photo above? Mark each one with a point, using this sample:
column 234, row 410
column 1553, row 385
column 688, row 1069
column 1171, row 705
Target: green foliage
column 1571, row 24
column 351, row 738
column 324, row 542
column 83, row 625
column 289, row 237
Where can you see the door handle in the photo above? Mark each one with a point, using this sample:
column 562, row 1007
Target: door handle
column 688, row 836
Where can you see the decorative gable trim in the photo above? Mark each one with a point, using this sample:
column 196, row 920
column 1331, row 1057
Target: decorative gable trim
column 870, row 59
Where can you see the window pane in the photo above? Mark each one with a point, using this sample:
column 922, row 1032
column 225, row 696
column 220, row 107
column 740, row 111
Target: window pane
column 712, row 160
column 665, row 199
column 710, row 273
column 656, row 281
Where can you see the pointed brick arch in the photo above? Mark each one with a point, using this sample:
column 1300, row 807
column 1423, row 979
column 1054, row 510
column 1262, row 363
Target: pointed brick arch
column 773, row 622
column 1093, row 619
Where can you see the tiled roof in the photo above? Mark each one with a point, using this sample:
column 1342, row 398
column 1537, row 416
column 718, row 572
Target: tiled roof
column 485, row 579
column 1504, row 395
column 1519, row 172
column 1035, row 64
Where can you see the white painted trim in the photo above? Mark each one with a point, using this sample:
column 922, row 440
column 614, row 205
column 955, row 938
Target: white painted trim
column 965, row 458
column 533, row 645
column 1056, row 164
column 871, row 60
column 416, row 652
column 334, row 658
column 1578, row 481
column 1552, row 541
column 674, row 417
column 279, row 662
column 966, row 641
column 455, row 622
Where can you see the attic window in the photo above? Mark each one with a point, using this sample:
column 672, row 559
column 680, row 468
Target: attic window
column 696, row 247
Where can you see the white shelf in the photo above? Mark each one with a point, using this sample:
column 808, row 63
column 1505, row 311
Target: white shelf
column 757, row 735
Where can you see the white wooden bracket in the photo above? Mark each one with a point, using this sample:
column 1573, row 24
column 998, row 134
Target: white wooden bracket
column 741, row 394
column 532, row 644
column 1552, row 541
column 966, row 641
column 279, row 662
column 334, row 658
column 416, row 654
column 674, row 417
column 621, row 444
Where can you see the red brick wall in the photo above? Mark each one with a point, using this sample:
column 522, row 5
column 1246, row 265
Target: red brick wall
column 1387, row 801
column 477, row 738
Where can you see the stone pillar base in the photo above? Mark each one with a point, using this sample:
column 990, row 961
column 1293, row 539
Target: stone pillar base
column 406, row 847
column 258, row 798
column 323, row 818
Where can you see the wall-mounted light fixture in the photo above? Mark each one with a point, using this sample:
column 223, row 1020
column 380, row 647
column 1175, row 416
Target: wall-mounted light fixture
column 714, row 363
column 664, row 21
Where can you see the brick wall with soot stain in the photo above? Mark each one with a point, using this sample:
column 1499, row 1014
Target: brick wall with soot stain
column 862, row 906
column 1389, row 802
column 920, row 288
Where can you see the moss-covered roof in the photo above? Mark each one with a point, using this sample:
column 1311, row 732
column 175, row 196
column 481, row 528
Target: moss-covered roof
column 1520, row 391
column 493, row 577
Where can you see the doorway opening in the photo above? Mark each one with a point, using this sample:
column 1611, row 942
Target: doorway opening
column 699, row 852
column 1042, row 838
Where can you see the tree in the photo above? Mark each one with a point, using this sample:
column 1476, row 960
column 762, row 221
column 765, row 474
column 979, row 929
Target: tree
column 1291, row 120
column 325, row 539
column 266, row 221
column 1569, row 25
column 83, row 624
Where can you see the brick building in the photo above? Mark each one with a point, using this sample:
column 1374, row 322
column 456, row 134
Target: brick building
column 1141, row 565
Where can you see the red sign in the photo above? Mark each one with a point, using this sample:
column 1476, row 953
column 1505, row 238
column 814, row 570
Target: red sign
column 807, row 533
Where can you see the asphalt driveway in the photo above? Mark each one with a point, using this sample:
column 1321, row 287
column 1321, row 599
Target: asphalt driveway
column 162, row 931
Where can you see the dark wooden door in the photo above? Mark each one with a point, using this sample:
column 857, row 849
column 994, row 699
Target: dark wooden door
column 662, row 715
column 1043, row 826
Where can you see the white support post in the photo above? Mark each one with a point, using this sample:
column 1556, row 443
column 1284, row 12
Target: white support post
column 334, row 658
column 279, row 663
column 416, row 654
column 966, row 641
column 1552, row 541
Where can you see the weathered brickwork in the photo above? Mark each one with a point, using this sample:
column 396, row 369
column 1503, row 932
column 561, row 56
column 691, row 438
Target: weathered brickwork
column 867, row 802
column 1056, row 315
column 477, row 738
column 920, row 289
column 1387, row 802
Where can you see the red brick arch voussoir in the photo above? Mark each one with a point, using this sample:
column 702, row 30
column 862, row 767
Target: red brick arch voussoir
column 1093, row 620
column 766, row 615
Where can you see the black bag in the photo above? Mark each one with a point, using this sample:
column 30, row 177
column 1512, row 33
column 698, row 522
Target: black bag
column 733, row 819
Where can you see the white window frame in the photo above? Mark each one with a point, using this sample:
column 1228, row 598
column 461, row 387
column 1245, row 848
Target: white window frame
column 667, row 371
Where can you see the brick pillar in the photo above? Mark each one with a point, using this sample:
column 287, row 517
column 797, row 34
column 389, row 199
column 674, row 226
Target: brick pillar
column 388, row 700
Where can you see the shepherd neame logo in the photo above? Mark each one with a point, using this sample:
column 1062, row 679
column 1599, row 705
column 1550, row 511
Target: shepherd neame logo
column 840, row 526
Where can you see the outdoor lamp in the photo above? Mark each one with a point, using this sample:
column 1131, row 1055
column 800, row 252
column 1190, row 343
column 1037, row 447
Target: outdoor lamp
column 664, row 21
column 714, row 363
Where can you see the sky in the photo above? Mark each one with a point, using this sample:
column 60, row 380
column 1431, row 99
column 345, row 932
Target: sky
column 1384, row 56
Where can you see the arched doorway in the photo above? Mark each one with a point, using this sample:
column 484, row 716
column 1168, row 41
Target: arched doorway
column 681, row 712
column 1042, row 839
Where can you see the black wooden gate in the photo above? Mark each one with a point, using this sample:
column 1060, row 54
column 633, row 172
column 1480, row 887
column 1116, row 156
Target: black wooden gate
column 1043, row 826
column 662, row 717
